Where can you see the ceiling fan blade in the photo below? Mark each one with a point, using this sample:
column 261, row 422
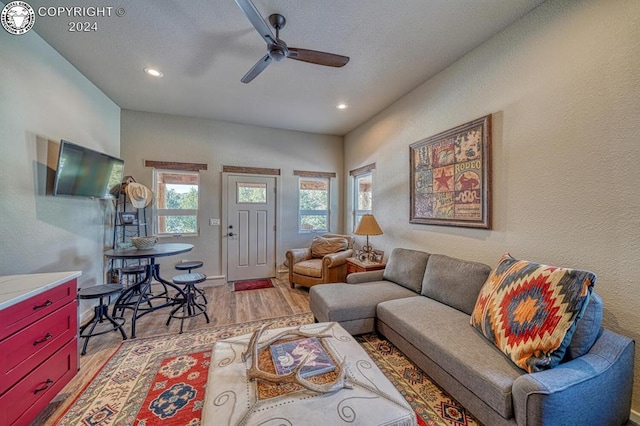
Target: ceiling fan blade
column 317, row 57
column 257, row 69
column 257, row 21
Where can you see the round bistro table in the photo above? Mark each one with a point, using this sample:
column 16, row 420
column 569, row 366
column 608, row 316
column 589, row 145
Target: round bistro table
column 143, row 287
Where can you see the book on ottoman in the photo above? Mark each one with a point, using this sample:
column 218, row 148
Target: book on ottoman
column 288, row 355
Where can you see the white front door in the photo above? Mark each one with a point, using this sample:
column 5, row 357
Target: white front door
column 250, row 233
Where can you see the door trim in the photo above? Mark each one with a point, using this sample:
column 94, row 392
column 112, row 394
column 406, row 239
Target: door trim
column 224, row 222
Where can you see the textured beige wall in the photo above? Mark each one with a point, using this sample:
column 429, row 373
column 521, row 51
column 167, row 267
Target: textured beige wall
column 562, row 85
column 44, row 99
column 148, row 136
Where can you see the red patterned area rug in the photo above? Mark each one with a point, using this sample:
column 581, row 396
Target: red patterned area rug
column 252, row 284
column 162, row 380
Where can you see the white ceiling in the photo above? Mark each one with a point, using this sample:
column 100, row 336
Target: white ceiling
column 205, row 47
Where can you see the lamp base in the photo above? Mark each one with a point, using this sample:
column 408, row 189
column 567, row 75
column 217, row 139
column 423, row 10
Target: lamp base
column 367, row 255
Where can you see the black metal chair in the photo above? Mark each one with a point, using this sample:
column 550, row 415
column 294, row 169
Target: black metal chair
column 187, row 302
column 100, row 312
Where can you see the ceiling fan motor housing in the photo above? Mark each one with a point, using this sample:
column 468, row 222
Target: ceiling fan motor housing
column 278, row 51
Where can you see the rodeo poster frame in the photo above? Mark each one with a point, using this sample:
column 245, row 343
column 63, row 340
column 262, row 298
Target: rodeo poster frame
column 450, row 176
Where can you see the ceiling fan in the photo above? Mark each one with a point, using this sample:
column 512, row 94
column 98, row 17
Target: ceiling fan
column 277, row 50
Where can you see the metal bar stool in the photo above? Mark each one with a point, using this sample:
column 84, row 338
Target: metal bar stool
column 100, row 312
column 188, row 301
column 138, row 272
column 189, row 265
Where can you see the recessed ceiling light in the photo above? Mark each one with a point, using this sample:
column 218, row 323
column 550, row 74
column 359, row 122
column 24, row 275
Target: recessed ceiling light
column 154, row 72
column 341, row 106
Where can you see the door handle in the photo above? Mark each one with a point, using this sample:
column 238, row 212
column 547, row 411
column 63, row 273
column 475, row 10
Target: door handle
column 231, row 234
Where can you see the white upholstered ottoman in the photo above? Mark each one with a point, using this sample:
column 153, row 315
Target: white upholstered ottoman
column 231, row 399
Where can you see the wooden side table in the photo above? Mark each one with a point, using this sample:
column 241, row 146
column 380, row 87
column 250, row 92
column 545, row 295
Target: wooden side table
column 354, row 265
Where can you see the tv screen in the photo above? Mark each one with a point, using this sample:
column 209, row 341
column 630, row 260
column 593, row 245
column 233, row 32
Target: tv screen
column 84, row 172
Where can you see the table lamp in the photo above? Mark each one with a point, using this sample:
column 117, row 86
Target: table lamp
column 368, row 226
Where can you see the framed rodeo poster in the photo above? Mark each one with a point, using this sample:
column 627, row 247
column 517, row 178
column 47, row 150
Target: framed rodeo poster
column 450, row 176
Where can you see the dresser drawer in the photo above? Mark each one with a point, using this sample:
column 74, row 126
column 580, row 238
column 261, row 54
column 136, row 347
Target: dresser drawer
column 28, row 397
column 24, row 313
column 24, row 350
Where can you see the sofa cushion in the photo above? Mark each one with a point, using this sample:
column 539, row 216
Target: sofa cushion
column 345, row 302
column 588, row 329
column 309, row 268
column 406, row 267
column 320, row 246
column 442, row 333
column 454, row 282
column 529, row 310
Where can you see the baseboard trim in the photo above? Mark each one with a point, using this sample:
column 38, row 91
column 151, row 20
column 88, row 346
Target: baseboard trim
column 216, row 277
column 634, row 417
column 215, row 281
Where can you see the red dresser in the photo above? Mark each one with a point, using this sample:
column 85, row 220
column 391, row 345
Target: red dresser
column 38, row 342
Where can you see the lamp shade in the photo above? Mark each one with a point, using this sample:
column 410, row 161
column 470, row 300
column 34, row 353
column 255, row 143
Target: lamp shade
column 368, row 226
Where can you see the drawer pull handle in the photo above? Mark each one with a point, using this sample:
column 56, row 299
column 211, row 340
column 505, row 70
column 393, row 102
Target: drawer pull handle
column 44, row 339
column 48, row 383
column 44, row 305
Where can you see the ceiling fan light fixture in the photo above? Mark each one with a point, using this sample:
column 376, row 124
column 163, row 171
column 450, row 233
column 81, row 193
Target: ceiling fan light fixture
column 153, row 72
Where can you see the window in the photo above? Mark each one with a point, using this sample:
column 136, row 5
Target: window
column 177, row 202
column 255, row 193
column 362, row 196
column 314, row 205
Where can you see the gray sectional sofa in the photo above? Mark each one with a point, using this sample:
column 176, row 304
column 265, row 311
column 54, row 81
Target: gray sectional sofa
column 422, row 303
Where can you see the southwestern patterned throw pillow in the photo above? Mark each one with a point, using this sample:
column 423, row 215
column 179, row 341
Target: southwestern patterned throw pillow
column 529, row 311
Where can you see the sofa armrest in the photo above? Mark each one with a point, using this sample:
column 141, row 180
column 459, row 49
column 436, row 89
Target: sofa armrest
column 592, row 389
column 365, row 277
column 298, row 255
column 333, row 260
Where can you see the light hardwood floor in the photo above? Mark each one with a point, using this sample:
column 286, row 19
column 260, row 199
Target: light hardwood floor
column 224, row 307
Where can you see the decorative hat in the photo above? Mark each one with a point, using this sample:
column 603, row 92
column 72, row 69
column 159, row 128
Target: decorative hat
column 139, row 195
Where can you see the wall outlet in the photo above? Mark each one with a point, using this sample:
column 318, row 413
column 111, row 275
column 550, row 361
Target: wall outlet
column 214, row 222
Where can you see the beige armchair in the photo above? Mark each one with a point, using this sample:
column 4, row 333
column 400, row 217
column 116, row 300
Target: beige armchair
column 323, row 262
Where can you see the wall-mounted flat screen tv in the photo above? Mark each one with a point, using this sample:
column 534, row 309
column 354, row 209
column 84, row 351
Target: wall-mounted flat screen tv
column 83, row 172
